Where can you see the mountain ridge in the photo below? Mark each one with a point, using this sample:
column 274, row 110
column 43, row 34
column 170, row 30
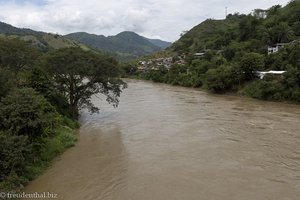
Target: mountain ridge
column 128, row 44
column 125, row 46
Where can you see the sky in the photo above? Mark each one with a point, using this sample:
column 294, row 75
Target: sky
column 161, row 19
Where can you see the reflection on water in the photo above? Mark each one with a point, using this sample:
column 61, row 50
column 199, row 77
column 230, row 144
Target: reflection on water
column 167, row 142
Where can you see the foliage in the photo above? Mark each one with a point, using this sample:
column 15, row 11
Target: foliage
column 79, row 75
column 281, row 33
column 42, row 83
column 250, row 63
column 13, row 150
column 6, row 83
column 221, row 79
column 24, row 112
column 16, row 55
column 262, row 89
column 20, row 162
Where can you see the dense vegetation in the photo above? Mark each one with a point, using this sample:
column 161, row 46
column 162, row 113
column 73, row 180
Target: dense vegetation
column 234, row 49
column 40, row 96
column 126, row 45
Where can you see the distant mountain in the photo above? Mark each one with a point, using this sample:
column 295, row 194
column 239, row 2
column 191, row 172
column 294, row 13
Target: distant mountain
column 160, row 43
column 42, row 40
column 9, row 29
column 125, row 44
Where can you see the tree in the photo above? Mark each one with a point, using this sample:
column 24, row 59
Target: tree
column 16, row 55
column 273, row 10
column 40, row 81
column 24, row 112
column 247, row 27
column 80, row 74
column 250, row 63
column 221, row 79
column 6, row 82
column 281, row 33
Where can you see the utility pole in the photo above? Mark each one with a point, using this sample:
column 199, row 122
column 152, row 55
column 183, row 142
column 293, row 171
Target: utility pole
column 226, row 12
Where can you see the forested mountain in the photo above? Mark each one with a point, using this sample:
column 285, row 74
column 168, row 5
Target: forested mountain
column 160, row 43
column 228, row 55
column 125, row 44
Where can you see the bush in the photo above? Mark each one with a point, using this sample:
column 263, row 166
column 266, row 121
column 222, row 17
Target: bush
column 250, row 63
column 24, row 112
column 262, row 89
column 221, row 79
column 13, row 152
column 54, row 146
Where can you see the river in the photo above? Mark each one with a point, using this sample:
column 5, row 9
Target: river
column 173, row 143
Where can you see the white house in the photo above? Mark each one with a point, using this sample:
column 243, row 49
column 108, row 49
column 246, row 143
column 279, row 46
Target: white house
column 261, row 74
column 275, row 48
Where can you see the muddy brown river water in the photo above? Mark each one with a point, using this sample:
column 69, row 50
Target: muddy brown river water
column 173, row 143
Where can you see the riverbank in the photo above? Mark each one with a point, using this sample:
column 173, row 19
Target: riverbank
column 257, row 89
column 62, row 138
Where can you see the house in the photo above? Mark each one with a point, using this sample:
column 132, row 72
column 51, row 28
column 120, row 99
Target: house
column 262, row 74
column 276, row 47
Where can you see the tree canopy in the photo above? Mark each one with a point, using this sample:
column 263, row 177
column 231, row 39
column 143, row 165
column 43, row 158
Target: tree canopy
column 80, row 74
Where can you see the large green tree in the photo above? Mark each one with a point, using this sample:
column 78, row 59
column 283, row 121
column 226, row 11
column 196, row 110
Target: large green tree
column 80, row 74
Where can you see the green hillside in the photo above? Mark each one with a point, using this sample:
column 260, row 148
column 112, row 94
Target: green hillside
column 206, row 35
column 126, row 45
column 229, row 55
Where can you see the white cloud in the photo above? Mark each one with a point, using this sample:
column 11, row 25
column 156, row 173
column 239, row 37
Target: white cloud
column 152, row 18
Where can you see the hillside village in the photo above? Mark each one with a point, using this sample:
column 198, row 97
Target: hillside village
column 168, row 62
column 165, row 62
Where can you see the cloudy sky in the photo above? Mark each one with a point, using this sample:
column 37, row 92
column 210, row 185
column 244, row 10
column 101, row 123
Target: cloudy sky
column 163, row 19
